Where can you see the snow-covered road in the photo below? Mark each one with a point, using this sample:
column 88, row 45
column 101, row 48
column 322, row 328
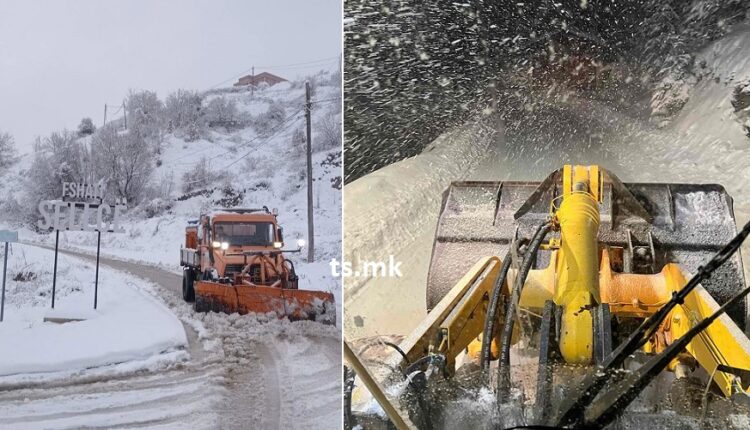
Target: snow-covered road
column 241, row 373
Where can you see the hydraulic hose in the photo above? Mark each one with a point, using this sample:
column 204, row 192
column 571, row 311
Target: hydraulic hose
column 489, row 321
column 438, row 359
column 510, row 310
column 349, row 421
column 398, row 349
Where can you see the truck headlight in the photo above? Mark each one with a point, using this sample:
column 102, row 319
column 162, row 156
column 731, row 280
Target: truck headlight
column 278, row 245
column 224, row 245
column 300, row 242
column 216, row 244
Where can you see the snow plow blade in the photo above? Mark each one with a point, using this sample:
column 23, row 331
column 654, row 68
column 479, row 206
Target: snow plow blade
column 293, row 304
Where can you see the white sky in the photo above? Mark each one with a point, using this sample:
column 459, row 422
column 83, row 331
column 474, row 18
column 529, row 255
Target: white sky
column 62, row 60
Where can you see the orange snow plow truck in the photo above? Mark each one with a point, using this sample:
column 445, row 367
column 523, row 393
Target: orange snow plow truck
column 233, row 261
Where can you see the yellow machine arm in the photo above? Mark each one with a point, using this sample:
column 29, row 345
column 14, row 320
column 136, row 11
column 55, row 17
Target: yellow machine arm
column 579, row 277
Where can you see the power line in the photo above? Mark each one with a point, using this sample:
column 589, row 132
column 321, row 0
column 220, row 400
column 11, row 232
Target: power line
column 119, row 108
column 326, row 100
column 309, row 63
column 284, row 121
column 249, row 152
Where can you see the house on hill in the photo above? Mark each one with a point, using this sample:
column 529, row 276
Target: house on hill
column 261, row 78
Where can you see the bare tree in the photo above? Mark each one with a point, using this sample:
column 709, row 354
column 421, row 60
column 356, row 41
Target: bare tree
column 124, row 160
column 199, row 176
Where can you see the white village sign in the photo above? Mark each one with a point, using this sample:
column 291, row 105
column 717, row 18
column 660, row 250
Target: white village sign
column 65, row 214
column 77, row 215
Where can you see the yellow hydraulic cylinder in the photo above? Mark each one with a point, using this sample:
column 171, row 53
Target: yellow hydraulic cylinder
column 577, row 285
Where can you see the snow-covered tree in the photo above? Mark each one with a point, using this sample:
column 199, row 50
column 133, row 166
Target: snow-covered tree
column 57, row 158
column 124, row 160
column 272, row 118
column 329, row 135
column 183, row 110
column 7, row 150
column 221, row 112
column 86, row 127
column 145, row 114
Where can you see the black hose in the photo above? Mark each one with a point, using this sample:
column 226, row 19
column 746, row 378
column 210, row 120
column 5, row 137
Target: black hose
column 510, row 309
column 398, row 349
column 431, row 359
column 389, row 344
column 349, row 421
column 489, row 321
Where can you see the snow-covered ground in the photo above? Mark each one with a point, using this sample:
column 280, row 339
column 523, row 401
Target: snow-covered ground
column 144, row 327
column 231, row 371
column 144, row 357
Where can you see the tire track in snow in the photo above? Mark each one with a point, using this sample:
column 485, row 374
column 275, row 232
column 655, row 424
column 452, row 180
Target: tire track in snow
column 310, row 378
column 183, row 394
column 271, row 383
column 160, row 398
column 271, row 376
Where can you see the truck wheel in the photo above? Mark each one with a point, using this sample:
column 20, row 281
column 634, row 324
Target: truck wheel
column 188, row 283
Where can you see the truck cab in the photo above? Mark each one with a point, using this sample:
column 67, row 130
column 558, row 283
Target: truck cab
column 229, row 242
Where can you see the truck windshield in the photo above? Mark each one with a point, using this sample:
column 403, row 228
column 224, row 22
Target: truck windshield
column 245, row 233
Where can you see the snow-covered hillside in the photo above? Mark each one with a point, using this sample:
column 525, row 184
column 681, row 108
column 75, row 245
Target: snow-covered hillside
column 262, row 164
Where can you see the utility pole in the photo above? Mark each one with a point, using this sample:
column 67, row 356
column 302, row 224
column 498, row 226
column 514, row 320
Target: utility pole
column 125, row 114
column 105, row 115
column 310, row 229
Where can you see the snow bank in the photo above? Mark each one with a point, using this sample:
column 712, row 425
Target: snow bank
column 129, row 323
column 387, row 208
